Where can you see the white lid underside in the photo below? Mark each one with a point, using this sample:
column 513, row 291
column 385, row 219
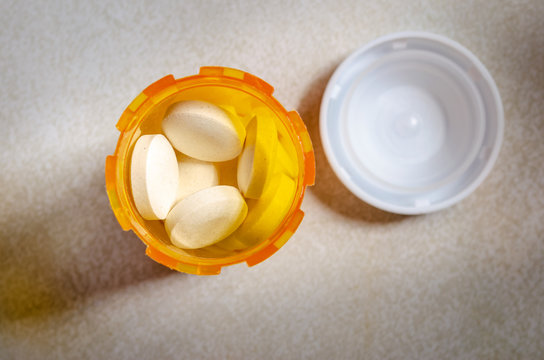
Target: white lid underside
column 412, row 122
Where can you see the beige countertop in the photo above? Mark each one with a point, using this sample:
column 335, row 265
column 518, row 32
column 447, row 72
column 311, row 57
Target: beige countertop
column 353, row 282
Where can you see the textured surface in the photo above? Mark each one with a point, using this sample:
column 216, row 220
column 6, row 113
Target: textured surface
column 463, row 283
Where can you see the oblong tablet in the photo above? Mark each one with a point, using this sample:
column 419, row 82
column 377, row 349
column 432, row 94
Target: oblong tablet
column 255, row 163
column 206, row 217
column 287, row 155
column 153, row 176
column 265, row 214
column 285, row 163
column 195, row 175
column 203, row 131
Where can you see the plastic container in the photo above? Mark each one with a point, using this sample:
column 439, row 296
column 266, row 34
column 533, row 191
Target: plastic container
column 412, row 122
column 235, row 91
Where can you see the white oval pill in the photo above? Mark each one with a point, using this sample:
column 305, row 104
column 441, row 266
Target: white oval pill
column 195, row 175
column 255, row 163
column 203, row 131
column 206, row 217
column 153, row 176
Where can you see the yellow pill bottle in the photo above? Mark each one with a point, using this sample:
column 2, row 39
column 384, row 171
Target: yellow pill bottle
column 272, row 219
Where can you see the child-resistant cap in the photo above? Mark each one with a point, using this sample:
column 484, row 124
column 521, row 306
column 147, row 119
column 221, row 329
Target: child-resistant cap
column 412, row 122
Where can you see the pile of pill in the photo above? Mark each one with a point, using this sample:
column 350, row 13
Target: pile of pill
column 178, row 176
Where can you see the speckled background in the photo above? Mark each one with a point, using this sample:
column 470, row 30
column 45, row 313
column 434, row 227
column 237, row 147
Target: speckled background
column 354, row 282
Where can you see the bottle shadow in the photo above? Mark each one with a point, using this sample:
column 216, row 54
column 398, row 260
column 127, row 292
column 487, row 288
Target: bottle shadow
column 328, row 188
column 75, row 249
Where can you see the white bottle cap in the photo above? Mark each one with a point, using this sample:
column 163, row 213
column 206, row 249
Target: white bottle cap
column 412, row 122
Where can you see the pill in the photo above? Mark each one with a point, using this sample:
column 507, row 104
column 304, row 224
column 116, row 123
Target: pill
column 153, row 176
column 203, row 131
column 268, row 212
column 195, row 175
column 285, row 164
column 286, row 155
column 264, row 215
column 255, row 162
column 206, row 217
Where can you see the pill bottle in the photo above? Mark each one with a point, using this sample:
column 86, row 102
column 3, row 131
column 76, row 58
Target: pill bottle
column 240, row 94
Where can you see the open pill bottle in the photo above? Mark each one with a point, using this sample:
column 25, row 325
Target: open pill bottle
column 243, row 95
